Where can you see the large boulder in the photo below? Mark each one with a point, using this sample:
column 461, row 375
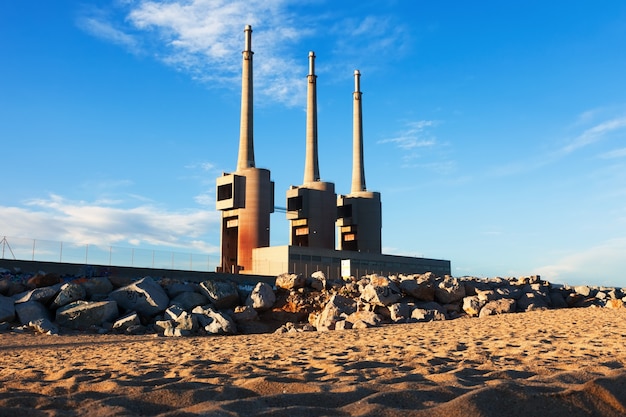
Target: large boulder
column 7, row 309
column 420, row 287
column 380, row 291
column 337, row 308
column 86, row 314
column 472, row 305
column 31, row 311
column 188, row 300
column 97, row 286
column 364, row 319
column 69, row 293
column 42, row 294
column 129, row 321
column 144, row 296
column 290, row 281
column 501, row 306
column 449, row 291
column 262, row 297
column 401, row 312
column 214, row 322
column 222, row 294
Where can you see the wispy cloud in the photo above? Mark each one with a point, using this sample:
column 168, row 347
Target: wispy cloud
column 595, row 134
column 415, row 135
column 97, row 25
column 603, row 261
column 615, row 153
column 102, row 222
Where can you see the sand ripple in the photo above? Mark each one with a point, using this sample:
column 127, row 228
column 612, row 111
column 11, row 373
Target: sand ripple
column 549, row 363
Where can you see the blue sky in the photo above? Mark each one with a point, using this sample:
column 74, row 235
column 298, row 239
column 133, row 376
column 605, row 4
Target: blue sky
column 494, row 131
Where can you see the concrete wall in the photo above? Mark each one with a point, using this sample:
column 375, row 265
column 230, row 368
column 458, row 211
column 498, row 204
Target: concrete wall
column 128, row 272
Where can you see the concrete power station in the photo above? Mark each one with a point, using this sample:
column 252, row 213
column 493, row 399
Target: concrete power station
column 315, row 212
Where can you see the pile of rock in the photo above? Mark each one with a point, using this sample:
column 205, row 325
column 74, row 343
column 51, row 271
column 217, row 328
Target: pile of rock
column 47, row 303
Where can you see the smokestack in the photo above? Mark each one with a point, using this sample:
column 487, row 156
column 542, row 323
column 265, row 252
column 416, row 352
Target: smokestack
column 358, row 170
column 311, row 166
column 246, row 139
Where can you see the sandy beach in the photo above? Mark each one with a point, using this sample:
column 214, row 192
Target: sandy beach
column 568, row 362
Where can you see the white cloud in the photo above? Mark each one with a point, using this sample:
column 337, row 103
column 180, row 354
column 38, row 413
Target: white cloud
column 595, row 134
column 615, row 153
column 57, row 219
column 103, row 29
column 415, row 135
column 600, row 263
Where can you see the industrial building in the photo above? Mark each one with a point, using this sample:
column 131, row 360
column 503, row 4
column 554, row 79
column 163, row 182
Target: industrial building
column 315, row 212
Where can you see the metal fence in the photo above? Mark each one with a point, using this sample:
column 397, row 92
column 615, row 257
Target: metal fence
column 91, row 254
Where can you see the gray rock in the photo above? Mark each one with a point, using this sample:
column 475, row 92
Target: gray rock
column 187, row 321
column 290, row 281
column 144, row 296
column 449, row 290
column 97, row 286
column 245, row 313
column 189, row 300
column 69, row 293
column 85, row 314
column 42, row 295
column 7, row 309
column 173, row 312
column 380, row 291
column 401, row 312
column 364, row 319
column 420, row 287
column 124, row 323
column 472, row 305
column 31, row 311
column 44, row 326
column 318, row 281
column 213, row 321
column 177, row 288
column 501, row 306
column 337, row 308
column 557, row 300
column 583, row 290
column 532, row 301
column 161, row 326
column 262, row 297
column 222, row 294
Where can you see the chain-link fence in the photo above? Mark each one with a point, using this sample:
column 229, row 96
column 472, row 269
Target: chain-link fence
column 90, row 254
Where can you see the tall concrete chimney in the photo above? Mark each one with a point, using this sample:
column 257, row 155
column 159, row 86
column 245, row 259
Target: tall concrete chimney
column 246, row 196
column 359, row 214
column 358, row 169
column 312, row 207
column 311, row 165
column 246, row 138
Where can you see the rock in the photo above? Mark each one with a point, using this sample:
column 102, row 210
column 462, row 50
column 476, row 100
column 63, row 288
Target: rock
column 7, row 309
column 144, row 296
column 401, row 312
column 31, row 311
column 290, row 281
column 420, row 287
column 222, row 294
column 364, row 319
column 472, row 305
column 501, row 306
column 69, row 293
column 613, row 303
column 245, row 313
column 42, row 295
column 583, row 290
column 43, row 280
column 318, row 281
column 161, row 326
column 173, row 312
column 175, row 288
column 262, row 297
column 337, row 308
column 44, row 326
column 380, row 292
column 530, row 301
column 487, row 295
column 85, row 314
column 188, row 300
column 557, row 300
column 97, row 286
column 449, row 291
column 213, row 321
column 187, row 321
column 124, row 323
